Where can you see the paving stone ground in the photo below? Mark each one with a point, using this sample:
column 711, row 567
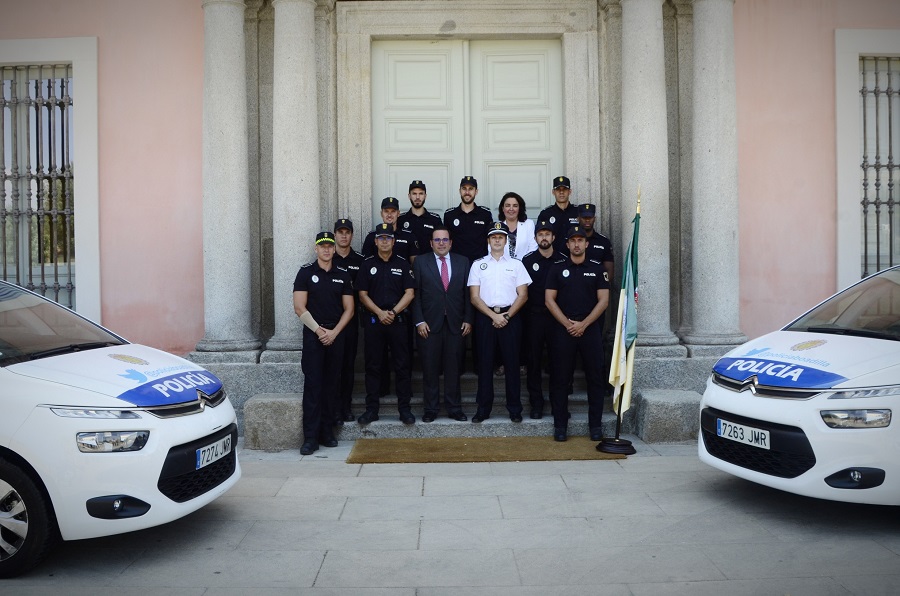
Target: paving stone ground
column 659, row 522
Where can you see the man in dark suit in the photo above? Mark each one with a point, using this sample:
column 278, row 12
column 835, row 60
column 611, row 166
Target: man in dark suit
column 442, row 314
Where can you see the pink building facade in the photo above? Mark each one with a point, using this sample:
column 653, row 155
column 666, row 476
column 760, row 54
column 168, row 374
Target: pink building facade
column 170, row 144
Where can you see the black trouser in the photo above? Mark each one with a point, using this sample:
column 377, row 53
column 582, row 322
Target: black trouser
column 378, row 338
column 487, row 338
column 321, row 374
column 540, row 324
column 345, row 392
column 562, row 369
column 441, row 350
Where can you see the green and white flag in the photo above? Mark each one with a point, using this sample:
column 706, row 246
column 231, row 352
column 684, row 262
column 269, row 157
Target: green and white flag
column 622, row 367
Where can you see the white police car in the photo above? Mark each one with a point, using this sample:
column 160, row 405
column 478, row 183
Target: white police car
column 99, row 436
column 808, row 409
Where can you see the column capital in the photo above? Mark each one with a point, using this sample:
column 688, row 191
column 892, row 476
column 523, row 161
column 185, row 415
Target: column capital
column 208, row 3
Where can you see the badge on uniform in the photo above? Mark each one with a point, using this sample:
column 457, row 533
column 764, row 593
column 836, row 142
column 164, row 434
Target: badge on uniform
column 315, row 279
column 373, row 270
column 455, row 222
column 483, row 266
column 565, row 273
column 553, row 220
column 535, row 266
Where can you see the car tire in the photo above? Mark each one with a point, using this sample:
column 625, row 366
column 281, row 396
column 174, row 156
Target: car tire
column 27, row 524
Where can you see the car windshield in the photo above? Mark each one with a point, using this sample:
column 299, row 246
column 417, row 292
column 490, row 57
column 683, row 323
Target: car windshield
column 870, row 308
column 32, row 327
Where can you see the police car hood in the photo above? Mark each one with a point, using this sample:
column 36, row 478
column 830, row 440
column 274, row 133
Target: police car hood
column 801, row 360
column 132, row 374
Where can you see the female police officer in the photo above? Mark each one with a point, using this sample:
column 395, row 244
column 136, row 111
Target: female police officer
column 323, row 299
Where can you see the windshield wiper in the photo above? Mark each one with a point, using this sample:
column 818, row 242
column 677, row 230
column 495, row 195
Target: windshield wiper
column 93, row 345
column 852, row 332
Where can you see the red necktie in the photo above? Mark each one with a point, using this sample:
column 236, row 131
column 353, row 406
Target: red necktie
column 445, row 275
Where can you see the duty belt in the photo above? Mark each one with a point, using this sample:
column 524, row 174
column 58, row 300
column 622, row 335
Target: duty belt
column 500, row 309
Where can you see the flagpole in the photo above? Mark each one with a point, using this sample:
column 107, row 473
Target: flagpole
column 616, row 444
column 622, row 390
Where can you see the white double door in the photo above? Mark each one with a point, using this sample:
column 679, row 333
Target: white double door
column 442, row 110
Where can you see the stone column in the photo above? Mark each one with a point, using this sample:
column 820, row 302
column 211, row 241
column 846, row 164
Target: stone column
column 715, row 270
column 295, row 160
column 226, row 210
column 610, row 219
column 645, row 158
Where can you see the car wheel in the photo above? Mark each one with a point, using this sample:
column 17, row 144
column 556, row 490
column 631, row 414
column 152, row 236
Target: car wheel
column 27, row 525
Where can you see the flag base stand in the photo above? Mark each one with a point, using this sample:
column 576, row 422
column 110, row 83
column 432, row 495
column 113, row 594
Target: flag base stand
column 617, row 445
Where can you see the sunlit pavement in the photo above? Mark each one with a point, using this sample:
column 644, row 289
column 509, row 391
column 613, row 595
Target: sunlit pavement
column 658, row 522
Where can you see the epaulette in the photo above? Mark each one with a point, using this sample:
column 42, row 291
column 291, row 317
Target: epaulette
column 596, row 262
column 310, row 264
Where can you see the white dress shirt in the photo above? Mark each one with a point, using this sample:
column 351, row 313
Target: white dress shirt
column 498, row 279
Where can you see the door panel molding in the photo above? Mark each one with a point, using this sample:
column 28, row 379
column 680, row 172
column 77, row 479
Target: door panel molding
column 359, row 23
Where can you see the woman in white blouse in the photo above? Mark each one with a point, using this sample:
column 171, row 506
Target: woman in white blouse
column 520, row 241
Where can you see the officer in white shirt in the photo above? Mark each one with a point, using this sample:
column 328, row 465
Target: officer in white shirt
column 499, row 288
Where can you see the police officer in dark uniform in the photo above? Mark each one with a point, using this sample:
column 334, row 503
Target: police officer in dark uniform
column 386, row 287
column 347, row 258
column 323, row 299
column 405, row 244
column 599, row 247
column 419, row 220
column 468, row 223
column 538, row 320
column 562, row 214
column 577, row 294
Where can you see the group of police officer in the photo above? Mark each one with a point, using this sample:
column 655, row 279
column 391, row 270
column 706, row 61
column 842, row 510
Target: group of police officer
column 465, row 283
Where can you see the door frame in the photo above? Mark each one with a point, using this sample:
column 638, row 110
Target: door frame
column 359, row 22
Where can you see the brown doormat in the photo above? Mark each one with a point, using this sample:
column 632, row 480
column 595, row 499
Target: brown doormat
column 473, row 449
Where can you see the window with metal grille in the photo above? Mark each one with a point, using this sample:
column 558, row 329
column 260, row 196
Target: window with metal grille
column 37, row 198
column 879, row 168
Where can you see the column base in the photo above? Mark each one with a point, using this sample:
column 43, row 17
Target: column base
column 239, row 357
column 270, row 356
column 657, row 339
column 284, row 344
column 227, row 345
column 669, row 351
column 714, row 339
column 713, row 351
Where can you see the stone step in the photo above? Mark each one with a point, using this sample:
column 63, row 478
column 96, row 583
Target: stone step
column 388, row 426
column 274, row 422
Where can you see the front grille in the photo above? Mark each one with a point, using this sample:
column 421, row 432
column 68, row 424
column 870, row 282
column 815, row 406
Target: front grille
column 790, row 455
column 752, row 385
column 180, row 481
column 189, row 407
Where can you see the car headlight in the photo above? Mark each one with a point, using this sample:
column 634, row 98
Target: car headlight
column 112, row 441
column 867, row 392
column 856, row 418
column 95, row 414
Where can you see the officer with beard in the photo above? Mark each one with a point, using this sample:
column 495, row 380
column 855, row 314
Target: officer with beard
column 538, row 320
column 577, row 295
